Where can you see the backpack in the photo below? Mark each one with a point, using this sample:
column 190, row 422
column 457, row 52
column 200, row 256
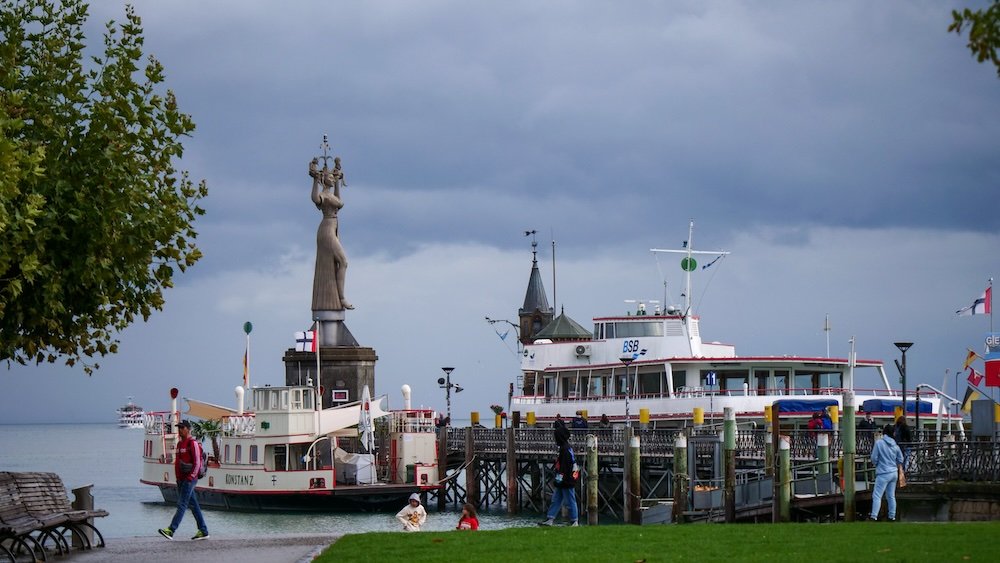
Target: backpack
column 203, row 469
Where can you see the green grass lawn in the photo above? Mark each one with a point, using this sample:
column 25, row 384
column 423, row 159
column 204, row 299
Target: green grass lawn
column 774, row 543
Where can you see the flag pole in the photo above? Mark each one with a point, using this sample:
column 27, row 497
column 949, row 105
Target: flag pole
column 319, row 395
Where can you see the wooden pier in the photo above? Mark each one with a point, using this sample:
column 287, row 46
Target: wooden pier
column 512, row 469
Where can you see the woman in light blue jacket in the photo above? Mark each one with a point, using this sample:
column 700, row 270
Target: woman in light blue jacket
column 888, row 461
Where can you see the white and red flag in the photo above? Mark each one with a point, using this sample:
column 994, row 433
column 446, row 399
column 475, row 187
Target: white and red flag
column 305, row 341
column 981, row 306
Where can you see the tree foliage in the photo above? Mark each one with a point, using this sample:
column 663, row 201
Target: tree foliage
column 984, row 31
column 94, row 218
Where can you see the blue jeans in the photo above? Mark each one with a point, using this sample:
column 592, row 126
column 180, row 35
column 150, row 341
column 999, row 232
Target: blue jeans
column 561, row 497
column 885, row 483
column 185, row 498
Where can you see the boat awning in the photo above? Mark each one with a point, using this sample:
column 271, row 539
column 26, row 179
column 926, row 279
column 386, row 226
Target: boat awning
column 207, row 411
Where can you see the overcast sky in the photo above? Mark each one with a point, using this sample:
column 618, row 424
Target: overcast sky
column 845, row 153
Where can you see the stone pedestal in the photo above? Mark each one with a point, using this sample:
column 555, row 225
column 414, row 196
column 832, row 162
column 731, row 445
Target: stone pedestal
column 332, row 329
column 342, row 368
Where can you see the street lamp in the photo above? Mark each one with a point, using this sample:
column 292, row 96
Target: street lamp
column 446, row 384
column 903, row 347
column 627, row 359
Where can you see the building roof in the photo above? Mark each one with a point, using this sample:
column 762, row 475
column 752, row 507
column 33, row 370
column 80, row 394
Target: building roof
column 534, row 297
column 564, row 328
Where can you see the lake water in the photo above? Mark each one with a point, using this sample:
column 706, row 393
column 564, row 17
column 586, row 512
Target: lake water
column 110, row 458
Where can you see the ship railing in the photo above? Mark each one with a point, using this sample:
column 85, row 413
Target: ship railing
column 413, row 421
column 239, row 425
column 157, row 423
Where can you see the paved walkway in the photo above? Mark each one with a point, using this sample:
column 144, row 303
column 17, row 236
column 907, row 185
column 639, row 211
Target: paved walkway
column 266, row 549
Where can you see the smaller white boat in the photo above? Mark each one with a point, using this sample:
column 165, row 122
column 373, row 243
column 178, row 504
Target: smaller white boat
column 130, row 415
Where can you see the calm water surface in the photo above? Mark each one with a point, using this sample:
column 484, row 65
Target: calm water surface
column 110, row 458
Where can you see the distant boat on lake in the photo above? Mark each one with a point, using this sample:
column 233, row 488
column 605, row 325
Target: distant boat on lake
column 130, row 415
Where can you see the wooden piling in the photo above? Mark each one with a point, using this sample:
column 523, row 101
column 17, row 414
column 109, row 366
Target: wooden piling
column 848, row 477
column 823, row 452
column 471, row 475
column 634, row 488
column 442, row 495
column 768, row 445
column 785, row 464
column 681, row 478
column 626, row 515
column 513, row 503
column 729, row 450
column 775, row 440
column 593, row 476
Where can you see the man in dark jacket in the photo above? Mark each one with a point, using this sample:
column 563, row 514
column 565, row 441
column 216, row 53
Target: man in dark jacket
column 565, row 480
column 187, row 464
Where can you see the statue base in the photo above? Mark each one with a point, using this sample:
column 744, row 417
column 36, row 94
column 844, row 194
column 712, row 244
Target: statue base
column 332, row 329
column 344, row 371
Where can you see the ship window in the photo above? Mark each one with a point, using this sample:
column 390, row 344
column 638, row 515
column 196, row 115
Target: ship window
column 596, row 386
column 296, row 399
column 679, row 378
column 780, row 382
column 636, row 329
column 609, row 331
column 649, row 383
column 253, row 454
column 239, row 453
column 598, row 331
column 284, row 400
column 307, row 399
column 274, row 400
column 805, row 383
column 280, row 455
column 225, row 454
column 761, row 379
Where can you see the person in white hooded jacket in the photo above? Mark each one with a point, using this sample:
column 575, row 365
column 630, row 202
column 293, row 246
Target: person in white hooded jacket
column 413, row 515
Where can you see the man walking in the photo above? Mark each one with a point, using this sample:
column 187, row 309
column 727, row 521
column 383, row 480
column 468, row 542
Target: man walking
column 187, row 465
column 888, row 461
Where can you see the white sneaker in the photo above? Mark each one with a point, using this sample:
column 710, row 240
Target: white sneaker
column 549, row 522
column 575, row 524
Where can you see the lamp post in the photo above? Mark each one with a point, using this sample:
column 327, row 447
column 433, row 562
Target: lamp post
column 446, row 384
column 903, row 347
column 627, row 360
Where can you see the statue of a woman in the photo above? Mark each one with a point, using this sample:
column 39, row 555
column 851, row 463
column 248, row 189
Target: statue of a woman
column 331, row 261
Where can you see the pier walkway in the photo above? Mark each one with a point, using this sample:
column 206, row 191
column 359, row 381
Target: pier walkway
column 512, row 468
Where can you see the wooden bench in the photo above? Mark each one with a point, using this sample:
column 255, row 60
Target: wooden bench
column 35, row 511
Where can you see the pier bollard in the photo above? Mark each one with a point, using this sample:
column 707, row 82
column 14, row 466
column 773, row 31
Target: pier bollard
column 698, row 414
column 634, row 491
column 499, row 421
column 644, row 418
column 785, row 470
column 681, row 478
column 592, row 479
column 834, row 418
column 531, row 419
column 474, row 418
column 729, row 450
column 83, row 499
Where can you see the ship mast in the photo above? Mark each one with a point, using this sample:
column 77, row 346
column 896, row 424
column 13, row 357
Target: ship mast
column 688, row 263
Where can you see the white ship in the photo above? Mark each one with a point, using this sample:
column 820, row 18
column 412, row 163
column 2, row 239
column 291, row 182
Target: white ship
column 656, row 365
column 130, row 415
column 289, row 453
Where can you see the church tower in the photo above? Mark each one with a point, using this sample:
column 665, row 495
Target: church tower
column 536, row 312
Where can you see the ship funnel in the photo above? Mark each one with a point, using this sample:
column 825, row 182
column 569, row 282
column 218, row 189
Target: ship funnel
column 239, row 399
column 406, row 396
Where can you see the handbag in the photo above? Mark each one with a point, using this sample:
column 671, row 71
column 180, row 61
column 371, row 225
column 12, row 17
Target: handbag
column 902, row 478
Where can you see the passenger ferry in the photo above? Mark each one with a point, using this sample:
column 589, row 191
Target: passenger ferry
column 657, row 364
column 288, row 453
column 130, row 415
